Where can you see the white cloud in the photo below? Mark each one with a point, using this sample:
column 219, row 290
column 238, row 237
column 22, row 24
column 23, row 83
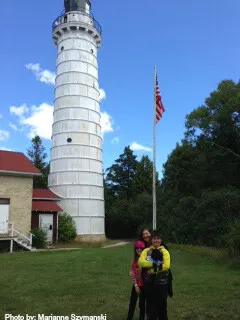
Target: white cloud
column 138, row 147
column 13, row 126
column 40, row 121
column 103, row 95
column 115, row 140
column 44, row 76
column 4, row 135
column 19, row 111
column 106, row 123
column 5, row 149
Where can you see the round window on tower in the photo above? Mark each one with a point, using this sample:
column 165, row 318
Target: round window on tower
column 69, row 140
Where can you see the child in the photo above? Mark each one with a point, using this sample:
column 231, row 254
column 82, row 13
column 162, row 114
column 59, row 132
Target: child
column 137, row 288
column 156, row 268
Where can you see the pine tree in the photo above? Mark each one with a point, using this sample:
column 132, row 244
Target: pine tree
column 37, row 155
column 119, row 179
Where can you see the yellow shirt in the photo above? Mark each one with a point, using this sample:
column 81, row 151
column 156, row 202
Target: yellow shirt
column 143, row 263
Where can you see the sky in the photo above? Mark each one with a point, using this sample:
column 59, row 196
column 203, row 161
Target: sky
column 194, row 45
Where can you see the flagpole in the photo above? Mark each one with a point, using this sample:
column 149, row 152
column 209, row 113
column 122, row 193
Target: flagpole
column 154, row 153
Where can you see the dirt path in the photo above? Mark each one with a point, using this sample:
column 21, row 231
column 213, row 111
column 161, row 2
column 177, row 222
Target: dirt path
column 122, row 243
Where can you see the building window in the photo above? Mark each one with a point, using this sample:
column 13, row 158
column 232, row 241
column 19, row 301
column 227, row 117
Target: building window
column 69, row 140
column 62, row 48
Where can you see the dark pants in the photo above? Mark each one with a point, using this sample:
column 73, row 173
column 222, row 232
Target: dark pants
column 156, row 297
column 133, row 301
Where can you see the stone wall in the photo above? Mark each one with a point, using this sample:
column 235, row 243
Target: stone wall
column 19, row 191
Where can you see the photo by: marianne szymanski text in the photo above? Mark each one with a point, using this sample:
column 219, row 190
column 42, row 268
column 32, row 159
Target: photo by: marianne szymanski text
column 53, row 317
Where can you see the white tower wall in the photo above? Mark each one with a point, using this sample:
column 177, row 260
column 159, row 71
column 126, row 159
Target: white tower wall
column 76, row 164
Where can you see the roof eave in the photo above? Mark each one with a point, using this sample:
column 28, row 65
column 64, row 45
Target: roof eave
column 47, row 199
column 47, row 211
column 16, row 173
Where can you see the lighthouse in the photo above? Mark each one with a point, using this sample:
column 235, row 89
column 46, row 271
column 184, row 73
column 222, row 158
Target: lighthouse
column 76, row 151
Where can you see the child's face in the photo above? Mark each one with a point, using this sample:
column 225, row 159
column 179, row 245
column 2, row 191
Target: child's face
column 139, row 251
column 156, row 242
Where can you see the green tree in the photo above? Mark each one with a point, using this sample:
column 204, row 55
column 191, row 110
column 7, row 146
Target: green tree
column 185, row 170
column 219, row 116
column 125, row 217
column 37, row 155
column 201, row 178
column 217, row 124
column 128, row 195
column 143, row 178
column 119, row 178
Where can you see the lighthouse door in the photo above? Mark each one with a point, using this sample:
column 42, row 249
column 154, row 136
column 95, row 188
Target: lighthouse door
column 46, row 223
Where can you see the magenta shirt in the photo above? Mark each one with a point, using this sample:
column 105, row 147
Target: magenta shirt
column 135, row 274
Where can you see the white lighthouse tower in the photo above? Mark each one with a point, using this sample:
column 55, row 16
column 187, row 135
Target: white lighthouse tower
column 76, row 152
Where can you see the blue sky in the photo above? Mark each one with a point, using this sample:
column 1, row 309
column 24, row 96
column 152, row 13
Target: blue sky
column 194, row 44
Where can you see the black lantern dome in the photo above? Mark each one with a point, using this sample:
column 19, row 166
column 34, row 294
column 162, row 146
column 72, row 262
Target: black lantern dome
column 76, row 5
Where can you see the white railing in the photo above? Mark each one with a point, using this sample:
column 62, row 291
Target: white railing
column 20, row 234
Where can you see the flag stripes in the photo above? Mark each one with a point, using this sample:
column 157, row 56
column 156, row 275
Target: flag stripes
column 159, row 109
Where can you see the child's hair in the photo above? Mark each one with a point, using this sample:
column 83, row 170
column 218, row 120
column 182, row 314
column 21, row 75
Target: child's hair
column 156, row 234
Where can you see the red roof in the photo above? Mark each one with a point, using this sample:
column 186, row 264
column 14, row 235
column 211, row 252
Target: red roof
column 16, row 162
column 44, row 194
column 47, row 206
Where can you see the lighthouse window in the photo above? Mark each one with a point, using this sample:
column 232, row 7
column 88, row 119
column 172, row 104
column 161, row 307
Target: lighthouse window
column 62, row 48
column 69, row 140
column 92, row 50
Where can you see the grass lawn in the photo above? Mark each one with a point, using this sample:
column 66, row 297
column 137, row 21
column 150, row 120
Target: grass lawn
column 96, row 281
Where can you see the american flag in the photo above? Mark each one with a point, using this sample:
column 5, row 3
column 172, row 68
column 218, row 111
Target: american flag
column 158, row 103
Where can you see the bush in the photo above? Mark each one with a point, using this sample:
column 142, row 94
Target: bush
column 233, row 240
column 216, row 210
column 125, row 217
column 198, row 220
column 39, row 239
column 67, row 230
